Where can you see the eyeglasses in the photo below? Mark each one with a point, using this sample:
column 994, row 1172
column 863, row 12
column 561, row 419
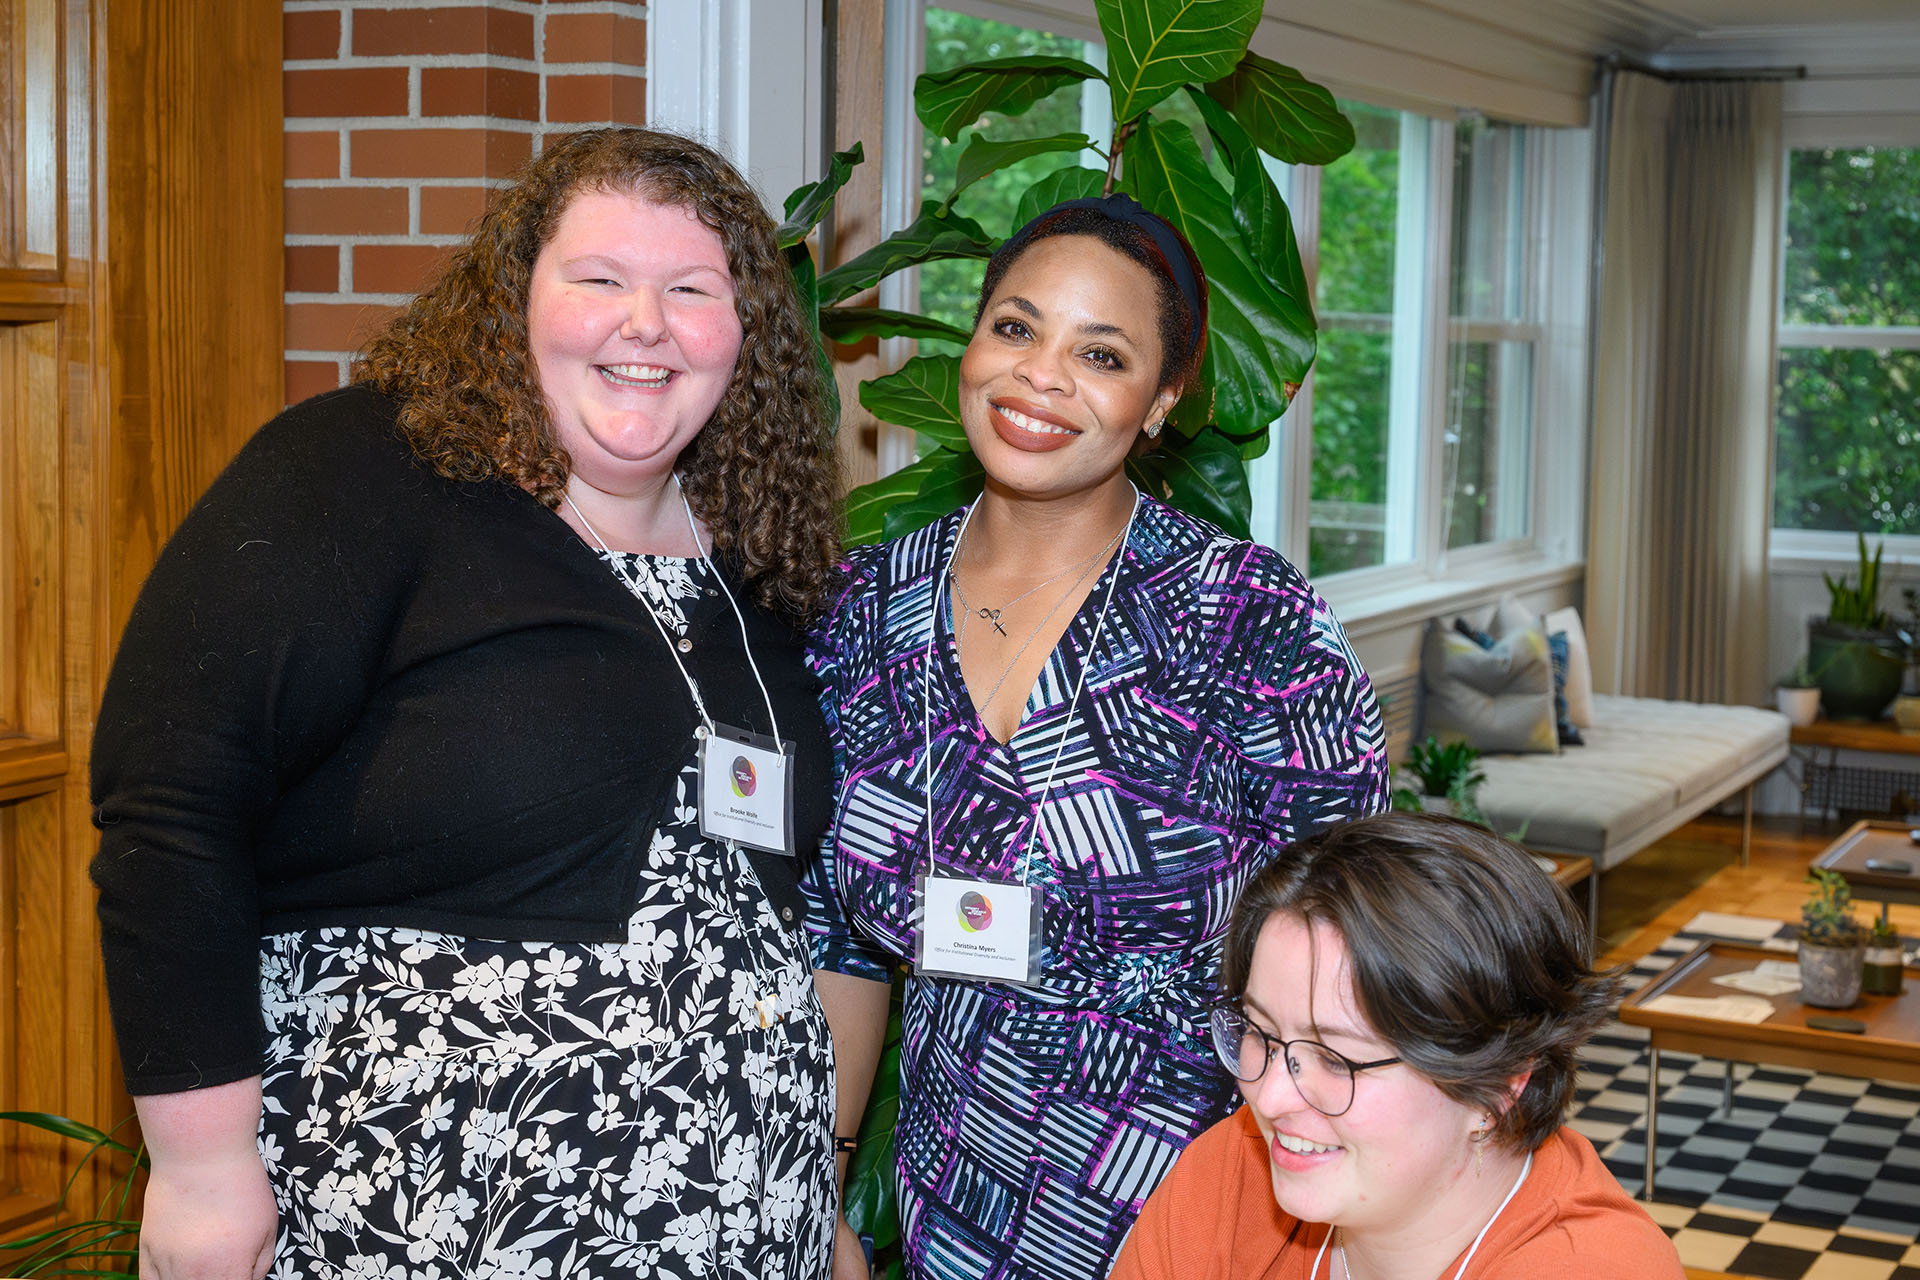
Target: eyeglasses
column 1323, row 1076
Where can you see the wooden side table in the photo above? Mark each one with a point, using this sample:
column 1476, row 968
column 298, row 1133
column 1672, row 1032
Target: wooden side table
column 1831, row 737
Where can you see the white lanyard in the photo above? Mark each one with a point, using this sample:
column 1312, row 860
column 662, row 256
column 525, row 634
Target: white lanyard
column 1472, row 1249
column 1066, row 724
column 673, row 650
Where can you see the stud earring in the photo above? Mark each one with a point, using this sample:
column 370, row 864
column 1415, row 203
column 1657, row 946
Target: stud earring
column 1153, row 429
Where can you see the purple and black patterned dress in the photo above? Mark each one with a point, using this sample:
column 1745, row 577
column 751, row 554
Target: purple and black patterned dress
column 1224, row 715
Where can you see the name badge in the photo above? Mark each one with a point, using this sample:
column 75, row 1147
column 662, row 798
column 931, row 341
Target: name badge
column 984, row 930
column 746, row 789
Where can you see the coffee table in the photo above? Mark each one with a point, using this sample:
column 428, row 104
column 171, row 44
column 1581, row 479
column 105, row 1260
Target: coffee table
column 1889, row 1050
column 1875, row 839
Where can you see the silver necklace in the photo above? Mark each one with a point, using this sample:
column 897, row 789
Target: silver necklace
column 993, row 615
column 1007, row 670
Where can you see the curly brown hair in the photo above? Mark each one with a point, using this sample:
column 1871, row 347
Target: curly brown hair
column 760, row 474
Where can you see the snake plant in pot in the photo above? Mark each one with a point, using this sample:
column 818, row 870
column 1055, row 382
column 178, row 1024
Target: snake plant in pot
column 1859, row 659
column 1212, row 184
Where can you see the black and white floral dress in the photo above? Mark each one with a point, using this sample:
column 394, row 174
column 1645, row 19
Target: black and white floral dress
column 440, row 1107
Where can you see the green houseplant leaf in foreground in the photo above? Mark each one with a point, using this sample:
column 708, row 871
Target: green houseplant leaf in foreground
column 1289, row 117
column 1154, row 47
column 948, row 101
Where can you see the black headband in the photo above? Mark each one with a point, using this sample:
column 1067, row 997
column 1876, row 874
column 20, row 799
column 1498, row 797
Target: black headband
column 1124, row 208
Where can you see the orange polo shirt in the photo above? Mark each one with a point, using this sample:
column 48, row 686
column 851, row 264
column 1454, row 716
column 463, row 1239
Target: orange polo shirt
column 1214, row 1218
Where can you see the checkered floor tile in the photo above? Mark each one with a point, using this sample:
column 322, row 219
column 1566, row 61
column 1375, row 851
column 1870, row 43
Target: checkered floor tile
column 1806, row 1176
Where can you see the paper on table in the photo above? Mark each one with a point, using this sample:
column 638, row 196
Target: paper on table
column 1725, row 1008
column 1721, row 924
column 1761, row 982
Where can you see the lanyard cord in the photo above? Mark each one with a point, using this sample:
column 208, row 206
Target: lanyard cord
column 1066, row 724
column 673, row 650
column 1472, row 1249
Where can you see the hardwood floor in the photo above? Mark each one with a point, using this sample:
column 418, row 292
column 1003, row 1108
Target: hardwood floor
column 1772, row 885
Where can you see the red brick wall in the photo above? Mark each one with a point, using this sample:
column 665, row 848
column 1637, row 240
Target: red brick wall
column 399, row 116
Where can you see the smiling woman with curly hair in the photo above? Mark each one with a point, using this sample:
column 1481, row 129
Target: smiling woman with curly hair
column 449, row 760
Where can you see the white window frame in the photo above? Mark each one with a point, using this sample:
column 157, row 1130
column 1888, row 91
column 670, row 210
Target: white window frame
column 1800, row 550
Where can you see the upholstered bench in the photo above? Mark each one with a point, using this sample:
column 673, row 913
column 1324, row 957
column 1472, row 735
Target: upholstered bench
column 1647, row 767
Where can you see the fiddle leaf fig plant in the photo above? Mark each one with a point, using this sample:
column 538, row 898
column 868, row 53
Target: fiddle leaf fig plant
column 1214, row 187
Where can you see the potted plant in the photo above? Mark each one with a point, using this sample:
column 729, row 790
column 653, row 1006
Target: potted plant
column 1448, row 777
column 1832, row 943
column 1797, row 694
column 1859, row 659
column 1882, row 974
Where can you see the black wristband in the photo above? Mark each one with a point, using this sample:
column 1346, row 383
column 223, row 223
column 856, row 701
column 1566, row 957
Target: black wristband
column 845, row 1145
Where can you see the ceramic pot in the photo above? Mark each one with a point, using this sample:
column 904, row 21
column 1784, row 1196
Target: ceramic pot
column 1800, row 706
column 1830, row 976
column 1906, row 712
column 1860, row 671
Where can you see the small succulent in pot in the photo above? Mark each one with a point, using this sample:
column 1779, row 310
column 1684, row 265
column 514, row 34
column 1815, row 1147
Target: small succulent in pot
column 1832, row 943
column 1827, row 919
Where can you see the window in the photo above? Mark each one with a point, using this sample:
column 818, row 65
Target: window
column 1422, row 430
column 1846, row 425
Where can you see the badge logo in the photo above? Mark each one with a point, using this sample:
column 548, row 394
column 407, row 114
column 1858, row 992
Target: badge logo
column 976, row 913
column 743, row 778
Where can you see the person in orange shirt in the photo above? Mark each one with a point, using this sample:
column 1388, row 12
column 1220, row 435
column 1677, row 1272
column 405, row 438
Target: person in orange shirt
column 1427, row 989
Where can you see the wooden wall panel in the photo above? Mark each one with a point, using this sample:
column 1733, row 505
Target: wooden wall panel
column 140, row 338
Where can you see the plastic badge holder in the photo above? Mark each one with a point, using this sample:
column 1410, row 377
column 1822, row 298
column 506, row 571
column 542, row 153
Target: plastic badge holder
column 937, row 967
column 723, row 738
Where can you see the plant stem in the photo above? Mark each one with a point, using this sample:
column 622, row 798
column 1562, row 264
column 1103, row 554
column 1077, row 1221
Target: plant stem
column 1120, row 136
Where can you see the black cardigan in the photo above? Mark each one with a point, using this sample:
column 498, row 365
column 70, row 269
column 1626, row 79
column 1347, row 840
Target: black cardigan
column 355, row 693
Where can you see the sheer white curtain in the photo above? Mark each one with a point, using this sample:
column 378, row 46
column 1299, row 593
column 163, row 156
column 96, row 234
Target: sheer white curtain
column 1683, row 389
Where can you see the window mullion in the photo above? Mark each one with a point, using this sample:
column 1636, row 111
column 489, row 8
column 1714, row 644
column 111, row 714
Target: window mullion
column 1418, row 486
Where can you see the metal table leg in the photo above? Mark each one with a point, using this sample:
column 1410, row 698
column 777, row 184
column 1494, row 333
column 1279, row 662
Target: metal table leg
column 1653, row 1116
column 1726, row 1091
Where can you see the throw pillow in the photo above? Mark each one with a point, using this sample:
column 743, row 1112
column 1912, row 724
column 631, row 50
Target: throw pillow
column 1498, row 699
column 1568, row 732
column 1579, row 666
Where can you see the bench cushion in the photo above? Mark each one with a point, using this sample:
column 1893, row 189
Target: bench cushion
column 1648, row 765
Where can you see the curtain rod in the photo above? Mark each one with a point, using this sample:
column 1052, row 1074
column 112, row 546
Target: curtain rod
column 1622, row 62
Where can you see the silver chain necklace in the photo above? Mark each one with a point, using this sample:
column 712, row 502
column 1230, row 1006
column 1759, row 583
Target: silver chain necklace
column 993, row 615
column 1091, row 562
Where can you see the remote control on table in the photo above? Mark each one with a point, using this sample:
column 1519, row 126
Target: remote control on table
column 1852, row 1026
column 1892, row 866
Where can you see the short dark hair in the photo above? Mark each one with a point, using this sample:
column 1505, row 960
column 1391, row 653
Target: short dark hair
column 1466, row 957
column 1182, row 327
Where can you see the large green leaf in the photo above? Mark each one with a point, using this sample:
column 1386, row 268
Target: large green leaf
column 922, row 395
column 948, row 101
column 934, row 234
column 1155, row 46
column 867, row 504
column 807, row 204
column 1290, row 117
column 1203, row 476
column 984, row 155
column 1258, row 209
column 953, row 480
column 1074, row 182
column 1260, row 340
column 853, row 324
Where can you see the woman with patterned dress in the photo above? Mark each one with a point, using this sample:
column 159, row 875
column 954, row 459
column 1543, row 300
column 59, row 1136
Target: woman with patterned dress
column 452, row 764
column 1070, row 722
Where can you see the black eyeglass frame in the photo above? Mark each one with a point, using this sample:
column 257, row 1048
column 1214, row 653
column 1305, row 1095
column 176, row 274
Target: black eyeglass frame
column 1231, row 1009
